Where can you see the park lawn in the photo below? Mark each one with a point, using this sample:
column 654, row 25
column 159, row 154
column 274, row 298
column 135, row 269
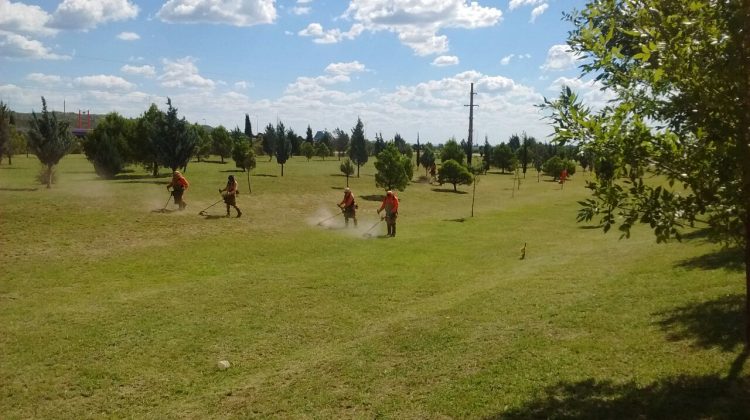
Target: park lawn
column 110, row 308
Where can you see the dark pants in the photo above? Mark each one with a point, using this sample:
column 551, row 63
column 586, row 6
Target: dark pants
column 390, row 222
column 177, row 193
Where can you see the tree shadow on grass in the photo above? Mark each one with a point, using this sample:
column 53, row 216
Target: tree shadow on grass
column 588, row 227
column 164, row 210
column 213, row 216
column 267, row 175
column 373, row 197
column 726, row 258
column 459, row 220
column 449, row 190
column 129, row 176
column 233, row 170
column 714, row 323
column 680, row 397
column 18, row 189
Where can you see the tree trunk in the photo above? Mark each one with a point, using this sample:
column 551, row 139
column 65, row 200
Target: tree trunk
column 49, row 176
column 249, row 190
column 156, row 169
column 282, row 169
column 744, row 148
column 10, row 156
column 347, row 180
column 358, row 170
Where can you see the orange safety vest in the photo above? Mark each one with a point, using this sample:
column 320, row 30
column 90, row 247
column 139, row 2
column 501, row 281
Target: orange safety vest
column 390, row 204
column 179, row 180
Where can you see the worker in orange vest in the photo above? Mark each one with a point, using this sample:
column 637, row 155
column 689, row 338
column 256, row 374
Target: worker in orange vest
column 348, row 207
column 390, row 205
column 178, row 184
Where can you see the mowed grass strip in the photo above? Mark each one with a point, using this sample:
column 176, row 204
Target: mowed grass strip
column 111, row 308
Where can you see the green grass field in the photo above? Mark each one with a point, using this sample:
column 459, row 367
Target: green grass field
column 109, row 308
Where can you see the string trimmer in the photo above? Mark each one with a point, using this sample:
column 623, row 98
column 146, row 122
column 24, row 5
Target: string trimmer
column 320, row 223
column 367, row 233
column 203, row 212
column 164, row 209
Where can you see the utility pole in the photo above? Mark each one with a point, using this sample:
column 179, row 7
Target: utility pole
column 471, row 126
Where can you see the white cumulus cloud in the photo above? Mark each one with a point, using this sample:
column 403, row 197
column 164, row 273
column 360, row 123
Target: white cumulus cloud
column 228, row 12
column 128, row 36
column 145, row 70
column 331, row 36
column 103, row 82
column 88, row 14
column 345, row 68
column 183, row 73
column 301, row 10
column 24, row 19
column 591, row 91
column 559, row 57
column 538, row 12
column 514, row 4
column 417, row 23
column 445, row 60
column 44, row 79
column 18, row 46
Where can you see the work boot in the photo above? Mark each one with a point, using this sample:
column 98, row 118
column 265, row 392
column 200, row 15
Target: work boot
column 239, row 213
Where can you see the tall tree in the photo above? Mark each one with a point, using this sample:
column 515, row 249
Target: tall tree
column 5, row 137
column 143, row 143
column 340, row 141
column 222, row 143
column 321, row 150
column 294, row 142
column 307, row 150
column 514, row 142
column 526, row 152
column 679, row 72
column 417, row 148
column 454, row 173
column 486, row 155
column 347, row 168
column 18, row 143
column 392, row 172
column 175, row 144
column 452, row 151
column 248, row 127
column 107, row 146
column 401, row 144
column 309, row 135
column 269, row 141
column 379, row 145
column 49, row 140
column 427, row 159
column 358, row 152
column 283, row 147
column 204, row 142
column 503, row 158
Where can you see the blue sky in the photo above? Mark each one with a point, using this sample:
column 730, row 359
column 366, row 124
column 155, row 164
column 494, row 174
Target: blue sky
column 403, row 66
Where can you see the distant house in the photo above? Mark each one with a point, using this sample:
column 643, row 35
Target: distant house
column 319, row 136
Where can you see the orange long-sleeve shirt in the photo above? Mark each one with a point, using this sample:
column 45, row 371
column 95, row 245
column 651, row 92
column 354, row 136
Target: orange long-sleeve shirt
column 178, row 179
column 390, row 204
column 348, row 200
